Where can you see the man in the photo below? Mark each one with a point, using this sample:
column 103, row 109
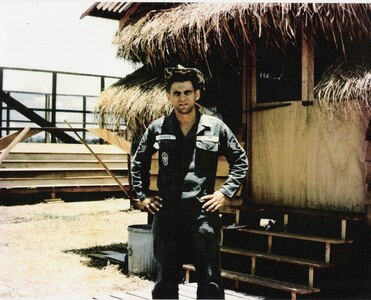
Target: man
column 186, row 222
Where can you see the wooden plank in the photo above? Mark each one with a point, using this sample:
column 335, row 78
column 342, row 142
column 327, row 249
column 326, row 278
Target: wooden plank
column 278, row 258
column 66, row 148
column 13, row 143
column 67, row 164
column 307, row 65
column 353, row 216
column 6, row 140
column 308, row 158
column 266, row 282
column 271, row 283
column 111, row 138
column 54, row 173
column 73, row 182
column 294, row 236
column 64, row 189
column 62, row 156
column 144, row 294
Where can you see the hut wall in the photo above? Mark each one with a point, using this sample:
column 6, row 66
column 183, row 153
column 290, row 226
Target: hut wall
column 302, row 158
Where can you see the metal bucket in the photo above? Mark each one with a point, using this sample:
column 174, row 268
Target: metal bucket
column 140, row 250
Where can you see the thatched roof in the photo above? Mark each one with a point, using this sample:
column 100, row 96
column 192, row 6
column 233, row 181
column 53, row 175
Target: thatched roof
column 192, row 30
column 198, row 31
column 346, row 85
column 135, row 100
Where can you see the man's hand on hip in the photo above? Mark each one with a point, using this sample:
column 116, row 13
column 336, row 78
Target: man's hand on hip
column 152, row 204
column 214, row 201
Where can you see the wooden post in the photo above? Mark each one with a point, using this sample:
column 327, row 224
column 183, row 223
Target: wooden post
column 343, row 229
column 311, row 276
column 307, row 66
column 270, row 239
column 253, row 265
column 249, row 90
column 327, row 253
column 285, row 221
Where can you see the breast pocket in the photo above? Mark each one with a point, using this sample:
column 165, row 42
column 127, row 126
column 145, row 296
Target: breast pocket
column 206, row 156
column 166, row 153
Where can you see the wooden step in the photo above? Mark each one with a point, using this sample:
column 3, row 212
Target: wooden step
column 49, row 164
column 64, row 156
column 327, row 241
column 311, row 264
column 294, row 236
column 278, row 258
column 343, row 216
column 55, row 172
column 71, row 181
column 53, row 175
column 112, row 187
column 261, row 281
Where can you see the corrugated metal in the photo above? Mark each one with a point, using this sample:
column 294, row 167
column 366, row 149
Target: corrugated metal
column 108, row 10
column 140, row 250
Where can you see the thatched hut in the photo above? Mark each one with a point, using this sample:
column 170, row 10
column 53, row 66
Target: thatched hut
column 244, row 49
column 293, row 80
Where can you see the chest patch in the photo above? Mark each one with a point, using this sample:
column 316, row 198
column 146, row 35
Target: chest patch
column 165, row 158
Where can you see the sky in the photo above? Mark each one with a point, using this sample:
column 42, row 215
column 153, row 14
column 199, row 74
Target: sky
column 48, row 34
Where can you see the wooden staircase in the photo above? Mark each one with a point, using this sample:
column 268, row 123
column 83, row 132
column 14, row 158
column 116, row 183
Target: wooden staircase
column 62, row 168
column 295, row 256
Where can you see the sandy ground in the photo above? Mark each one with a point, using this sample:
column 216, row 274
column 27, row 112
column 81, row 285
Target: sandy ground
column 38, row 243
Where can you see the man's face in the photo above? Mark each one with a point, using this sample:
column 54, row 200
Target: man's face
column 183, row 97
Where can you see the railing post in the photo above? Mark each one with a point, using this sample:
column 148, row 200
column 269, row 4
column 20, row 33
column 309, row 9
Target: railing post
column 84, row 116
column 1, row 101
column 102, row 83
column 7, row 118
column 54, row 105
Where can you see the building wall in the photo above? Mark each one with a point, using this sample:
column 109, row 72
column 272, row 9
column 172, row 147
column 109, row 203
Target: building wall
column 302, row 158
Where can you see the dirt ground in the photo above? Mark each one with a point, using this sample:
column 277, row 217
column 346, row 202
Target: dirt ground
column 42, row 249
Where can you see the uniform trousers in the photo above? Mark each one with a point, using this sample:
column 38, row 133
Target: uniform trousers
column 187, row 235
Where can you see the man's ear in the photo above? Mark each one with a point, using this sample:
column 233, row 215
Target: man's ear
column 198, row 94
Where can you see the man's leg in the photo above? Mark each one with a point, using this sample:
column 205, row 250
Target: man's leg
column 166, row 252
column 207, row 262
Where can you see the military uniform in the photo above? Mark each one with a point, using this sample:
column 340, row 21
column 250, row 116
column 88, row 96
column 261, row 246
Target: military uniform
column 182, row 230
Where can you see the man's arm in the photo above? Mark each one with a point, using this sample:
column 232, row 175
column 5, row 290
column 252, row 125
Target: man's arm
column 238, row 166
column 141, row 165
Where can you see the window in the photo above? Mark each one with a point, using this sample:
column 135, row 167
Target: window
column 278, row 75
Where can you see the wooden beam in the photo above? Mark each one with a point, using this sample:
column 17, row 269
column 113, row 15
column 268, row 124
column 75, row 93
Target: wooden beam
column 111, row 138
column 34, row 117
column 307, row 65
column 15, row 141
column 7, row 140
column 250, row 63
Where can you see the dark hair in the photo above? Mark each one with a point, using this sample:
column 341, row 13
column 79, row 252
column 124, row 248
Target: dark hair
column 177, row 77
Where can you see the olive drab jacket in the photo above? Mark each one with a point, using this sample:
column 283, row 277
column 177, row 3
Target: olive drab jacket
column 187, row 164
